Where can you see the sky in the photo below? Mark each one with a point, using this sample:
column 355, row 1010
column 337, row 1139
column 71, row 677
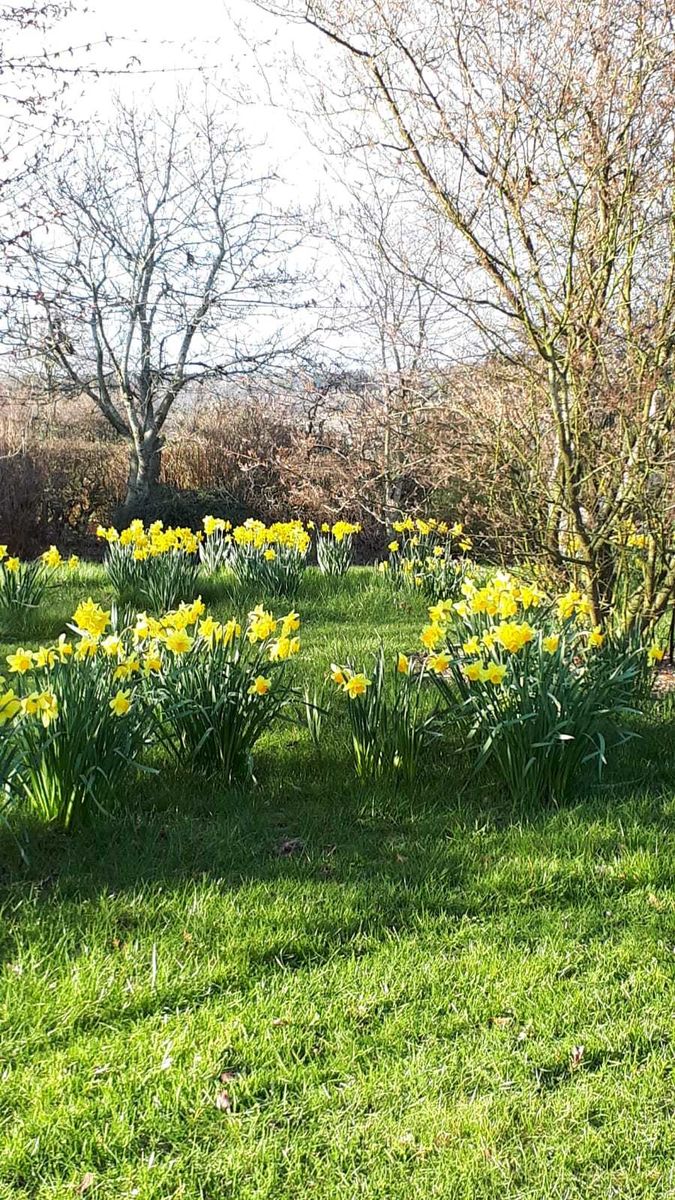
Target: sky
column 147, row 49
column 167, row 44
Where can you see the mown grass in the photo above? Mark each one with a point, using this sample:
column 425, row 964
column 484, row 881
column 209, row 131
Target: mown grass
column 319, row 989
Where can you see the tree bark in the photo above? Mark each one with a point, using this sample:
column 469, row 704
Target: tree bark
column 145, row 461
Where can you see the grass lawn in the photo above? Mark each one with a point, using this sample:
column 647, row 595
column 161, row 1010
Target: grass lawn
column 316, row 989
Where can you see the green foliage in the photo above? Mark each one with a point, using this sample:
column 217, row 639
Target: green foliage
column 214, row 549
column 211, row 704
column 550, row 716
column 169, row 579
column 315, row 706
column 160, row 582
column 8, row 758
column 276, row 571
column 73, row 764
column 392, row 717
column 22, row 589
column 124, row 572
column 335, row 548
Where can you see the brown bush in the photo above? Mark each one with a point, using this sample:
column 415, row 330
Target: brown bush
column 267, row 455
column 58, row 491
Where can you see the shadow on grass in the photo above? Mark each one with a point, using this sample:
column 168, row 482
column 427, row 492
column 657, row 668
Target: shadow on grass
column 355, row 866
column 309, row 818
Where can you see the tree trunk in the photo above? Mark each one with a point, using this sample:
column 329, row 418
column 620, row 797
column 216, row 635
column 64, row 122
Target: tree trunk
column 145, row 461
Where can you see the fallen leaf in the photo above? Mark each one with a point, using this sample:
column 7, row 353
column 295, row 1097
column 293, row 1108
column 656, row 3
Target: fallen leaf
column 224, row 1102
column 502, row 1022
column 87, row 1181
column 576, row 1057
column 290, row 846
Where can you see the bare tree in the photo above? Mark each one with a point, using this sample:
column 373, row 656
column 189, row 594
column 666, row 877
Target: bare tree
column 402, row 331
column 543, row 134
column 164, row 265
column 31, row 105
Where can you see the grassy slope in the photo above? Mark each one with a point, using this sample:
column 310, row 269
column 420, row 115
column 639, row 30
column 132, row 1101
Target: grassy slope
column 394, row 1006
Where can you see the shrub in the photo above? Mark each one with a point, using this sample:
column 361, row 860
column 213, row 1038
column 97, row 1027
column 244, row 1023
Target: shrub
column 158, row 567
column 77, row 729
column 426, row 554
column 23, row 584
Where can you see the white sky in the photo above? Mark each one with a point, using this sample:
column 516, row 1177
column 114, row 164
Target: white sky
column 230, row 39
column 240, row 48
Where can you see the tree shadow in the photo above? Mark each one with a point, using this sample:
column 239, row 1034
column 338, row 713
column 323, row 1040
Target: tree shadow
column 309, row 819
column 356, row 865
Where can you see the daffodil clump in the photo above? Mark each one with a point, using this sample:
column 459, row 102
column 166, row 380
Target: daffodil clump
column 214, row 547
column 392, row 714
column 76, row 715
column 23, row 584
column 269, row 559
column 71, row 715
column 427, row 554
column 216, row 687
column 536, row 689
column 10, row 706
column 157, row 566
column 335, row 547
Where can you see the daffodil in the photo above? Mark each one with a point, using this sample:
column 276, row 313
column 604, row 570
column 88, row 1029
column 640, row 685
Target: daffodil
column 290, row 623
column 47, row 707
column 120, row 703
column 260, row 686
column 494, row 673
column 20, row 661
column 472, row 646
column 472, row 671
column 91, row 618
column 52, row 558
column 356, row 685
column 112, row 646
column 431, row 637
column 438, row 663
column 10, row 705
column 44, row 657
column 178, row 641
column 152, row 662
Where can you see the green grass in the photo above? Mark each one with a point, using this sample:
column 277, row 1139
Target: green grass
column 390, row 1011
